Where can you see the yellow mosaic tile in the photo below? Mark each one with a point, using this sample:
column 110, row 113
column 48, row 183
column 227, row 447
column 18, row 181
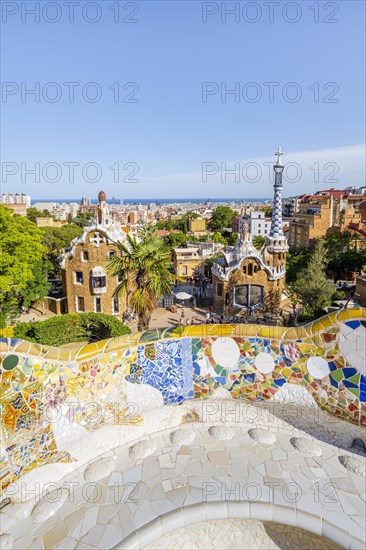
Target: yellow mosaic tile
column 194, row 331
column 354, row 312
column 219, row 330
column 344, row 315
column 245, row 330
column 64, row 355
column 23, row 347
column 52, row 353
column 290, row 334
column 316, row 327
column 5, row 348
column 270, row 332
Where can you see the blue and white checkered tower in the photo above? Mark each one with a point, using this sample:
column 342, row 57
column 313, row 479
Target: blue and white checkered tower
column 276, row 242
column 276, row 225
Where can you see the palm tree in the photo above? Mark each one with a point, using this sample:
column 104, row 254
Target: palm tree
column 146, row 230
column 144, row 274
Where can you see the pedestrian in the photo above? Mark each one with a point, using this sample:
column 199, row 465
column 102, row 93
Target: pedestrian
column 211, row 310
column 188, row 322
column 194, row 301
column 207, row 317
column 182, row 317
column 221, row 319
column 295, row 312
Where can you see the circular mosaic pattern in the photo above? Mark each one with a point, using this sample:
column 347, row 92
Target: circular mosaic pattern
column 305, row 446
column 262, row 437
column 222, row 433
column 225, row 352
column 49, row 504
column 142, row 449
column 353, row 465
column 99, row 469
column 317, row 367
column 10, row 362
column 182, row 437
column 264, row 363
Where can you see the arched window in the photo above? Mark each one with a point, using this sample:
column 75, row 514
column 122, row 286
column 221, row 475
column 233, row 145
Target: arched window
column 250, row 269
column 255, row 268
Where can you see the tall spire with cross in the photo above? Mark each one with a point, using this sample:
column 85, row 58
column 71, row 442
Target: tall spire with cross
column 276, row 225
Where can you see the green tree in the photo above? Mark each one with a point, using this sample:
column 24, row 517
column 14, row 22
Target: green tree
column 268, row 211
column 21, row 252
column 218, row 237
column 296, row 260
column 312, row 286
column 222, row 217
column 38, row 287
column 147, row 230
column 83, row 219
column 33, row 214
column 258, row 241
column 144, row 272
column 343, row 255
column 231, row 238
column 56, row 240
column 176, row 240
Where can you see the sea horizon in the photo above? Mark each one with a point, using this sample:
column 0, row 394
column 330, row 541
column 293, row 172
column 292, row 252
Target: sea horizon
column 158, row 201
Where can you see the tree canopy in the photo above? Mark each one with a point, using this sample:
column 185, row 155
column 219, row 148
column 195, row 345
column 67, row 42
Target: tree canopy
column 34, row 213
column 56, row 239
column 342, row 253
column 312, row 286
column 222, row 217
column 21, row 253
column 258, row 241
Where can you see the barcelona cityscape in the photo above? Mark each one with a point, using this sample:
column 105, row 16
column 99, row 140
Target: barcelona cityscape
column 183, row 275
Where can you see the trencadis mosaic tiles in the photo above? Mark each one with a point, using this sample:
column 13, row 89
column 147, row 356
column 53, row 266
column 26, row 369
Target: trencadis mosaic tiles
column 252, row 362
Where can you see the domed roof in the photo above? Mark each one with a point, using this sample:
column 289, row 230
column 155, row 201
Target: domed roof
column 102, row 196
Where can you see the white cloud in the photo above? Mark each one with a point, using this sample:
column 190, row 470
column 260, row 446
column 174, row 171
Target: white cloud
column 306, row 171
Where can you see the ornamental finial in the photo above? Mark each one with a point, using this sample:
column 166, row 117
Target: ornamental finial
column 279, row 153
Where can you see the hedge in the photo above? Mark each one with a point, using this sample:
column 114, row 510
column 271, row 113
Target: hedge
column 74, row 327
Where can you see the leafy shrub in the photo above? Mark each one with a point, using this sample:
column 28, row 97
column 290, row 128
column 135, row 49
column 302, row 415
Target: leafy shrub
column 75, row 327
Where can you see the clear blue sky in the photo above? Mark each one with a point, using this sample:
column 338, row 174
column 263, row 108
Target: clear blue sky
column 170, row 132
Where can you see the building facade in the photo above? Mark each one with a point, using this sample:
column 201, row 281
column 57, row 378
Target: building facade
column 245, row 278
column 87, row 285
column 258, row 224
column 197, row 226
column 188, row 262
column 315, row 215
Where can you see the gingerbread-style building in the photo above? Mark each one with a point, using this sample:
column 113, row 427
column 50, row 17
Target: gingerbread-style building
column 246, row 278
column 86, row 284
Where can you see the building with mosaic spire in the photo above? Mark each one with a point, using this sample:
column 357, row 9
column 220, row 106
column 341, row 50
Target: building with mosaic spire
column 248, row 279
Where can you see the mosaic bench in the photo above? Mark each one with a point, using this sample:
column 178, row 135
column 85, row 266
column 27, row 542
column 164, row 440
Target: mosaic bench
column 326, row 357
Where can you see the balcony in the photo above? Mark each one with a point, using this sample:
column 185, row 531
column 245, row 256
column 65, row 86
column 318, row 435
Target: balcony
column 99, row 290
column 98, row 280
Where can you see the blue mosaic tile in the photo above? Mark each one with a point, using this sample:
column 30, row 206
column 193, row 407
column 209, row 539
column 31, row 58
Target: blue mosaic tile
column 353, row 324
